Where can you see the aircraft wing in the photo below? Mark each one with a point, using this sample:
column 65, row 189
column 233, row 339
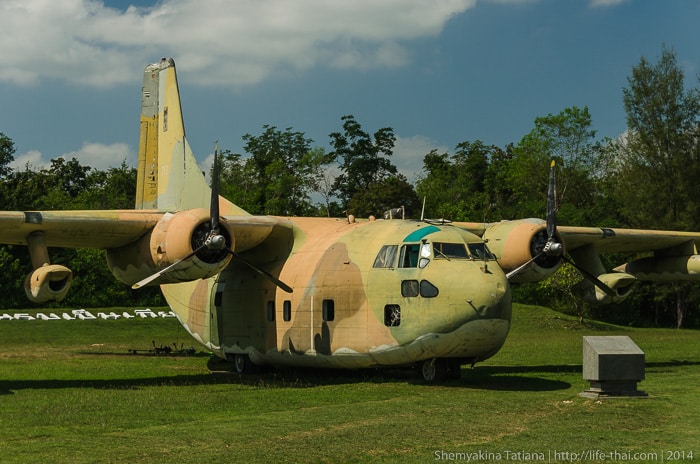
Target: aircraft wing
column 115, row 228
column 610, row 240
column 78, row 229
column 607, row 240
column 251, row 231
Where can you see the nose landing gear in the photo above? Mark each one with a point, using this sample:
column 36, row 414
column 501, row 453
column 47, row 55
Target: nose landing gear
column 438, row 369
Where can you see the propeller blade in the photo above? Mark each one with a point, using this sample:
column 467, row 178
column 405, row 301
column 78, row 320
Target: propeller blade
column 517, row 270
column 596, row 281
column 265, row 274
column 214, row 204
column 551, row 207
column 153, row 277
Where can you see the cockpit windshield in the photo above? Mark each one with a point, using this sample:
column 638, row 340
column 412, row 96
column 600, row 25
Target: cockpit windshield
column 417, row 255
column 450, row 250
column 477, row 251
column 480, row 251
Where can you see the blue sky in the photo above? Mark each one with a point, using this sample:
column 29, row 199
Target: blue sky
column 438, row 72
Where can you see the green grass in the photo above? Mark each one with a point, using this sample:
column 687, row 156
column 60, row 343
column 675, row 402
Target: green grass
column 71, row 392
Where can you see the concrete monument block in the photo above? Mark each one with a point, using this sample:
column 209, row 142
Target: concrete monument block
column 613, row 365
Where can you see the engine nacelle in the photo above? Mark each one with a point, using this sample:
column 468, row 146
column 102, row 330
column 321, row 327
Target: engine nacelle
column 49, row 282
column 516, row 242
column 174, row 238
column 619, row 282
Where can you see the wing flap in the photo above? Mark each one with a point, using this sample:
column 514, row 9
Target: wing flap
column 78, row 229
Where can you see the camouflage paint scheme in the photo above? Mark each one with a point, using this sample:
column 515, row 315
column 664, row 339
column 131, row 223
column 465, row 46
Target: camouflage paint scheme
column 345, row 310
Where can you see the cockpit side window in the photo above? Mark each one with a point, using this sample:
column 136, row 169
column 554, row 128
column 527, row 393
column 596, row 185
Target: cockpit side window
column 409, row 255
column 386, row 258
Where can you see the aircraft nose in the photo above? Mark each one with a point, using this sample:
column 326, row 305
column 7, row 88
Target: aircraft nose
column 492, row 298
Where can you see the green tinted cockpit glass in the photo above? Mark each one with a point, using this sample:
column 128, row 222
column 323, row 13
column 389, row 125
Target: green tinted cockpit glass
column 480, row 251
column 450, row 250
column 386, row 258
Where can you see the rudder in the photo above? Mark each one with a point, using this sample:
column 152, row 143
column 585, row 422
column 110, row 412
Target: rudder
column 169, row 178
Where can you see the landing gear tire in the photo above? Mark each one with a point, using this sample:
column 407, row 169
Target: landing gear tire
column 434, row 369
column 243, row 364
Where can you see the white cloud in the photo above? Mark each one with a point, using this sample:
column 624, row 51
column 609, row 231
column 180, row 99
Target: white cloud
column 31, row 159
column 96, row 155
column 223, row 42
column 102, row 156
column 605, row 3
column 409, row 153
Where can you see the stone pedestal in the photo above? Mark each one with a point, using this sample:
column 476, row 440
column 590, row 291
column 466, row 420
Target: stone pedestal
column 613, row 365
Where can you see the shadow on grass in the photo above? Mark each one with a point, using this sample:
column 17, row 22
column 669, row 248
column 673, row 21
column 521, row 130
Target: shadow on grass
column 497, row 378
column 516, row 378
column 285, row 378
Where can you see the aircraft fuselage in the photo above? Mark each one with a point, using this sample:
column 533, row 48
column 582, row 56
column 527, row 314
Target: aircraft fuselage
column 372, row 293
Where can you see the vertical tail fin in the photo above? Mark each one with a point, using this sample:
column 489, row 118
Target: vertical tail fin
column 169, row 178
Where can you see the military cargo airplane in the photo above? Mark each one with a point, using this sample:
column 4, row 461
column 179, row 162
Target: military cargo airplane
column 327, row 292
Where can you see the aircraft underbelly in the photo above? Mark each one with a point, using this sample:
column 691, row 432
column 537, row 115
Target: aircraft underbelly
column 477, row 339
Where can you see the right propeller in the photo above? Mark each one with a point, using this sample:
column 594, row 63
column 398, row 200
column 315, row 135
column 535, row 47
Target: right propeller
column 553, row 249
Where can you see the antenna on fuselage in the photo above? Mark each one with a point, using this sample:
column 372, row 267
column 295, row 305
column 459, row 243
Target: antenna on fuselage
column 422, row 211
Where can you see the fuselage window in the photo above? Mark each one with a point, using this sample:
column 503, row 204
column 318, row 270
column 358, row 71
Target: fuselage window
column 270, row 311
column 409, row 288
column 409, row 255
column 386, row 257
column 328, row 310
column 450, row 250
column 428, row 290
column 287, row 310
column 480, row 251
column 392, row 315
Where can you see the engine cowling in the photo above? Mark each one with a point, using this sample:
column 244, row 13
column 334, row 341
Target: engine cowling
column 516, row 242
column 49, row 282
column 174, row 238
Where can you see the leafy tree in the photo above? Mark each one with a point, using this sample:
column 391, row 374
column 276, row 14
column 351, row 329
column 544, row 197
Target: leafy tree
column 13, row 271
column 656, row 165
column 364, row 159
column 238, row 182
column 114, row 188
column 660, row 150
column 278, row 177
column 324, row 188
column 392, row 192
column 7, row 151
column 501, row 205
column 569, row 139
column 455, row 186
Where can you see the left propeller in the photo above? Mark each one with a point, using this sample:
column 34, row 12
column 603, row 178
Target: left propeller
column 213, row 243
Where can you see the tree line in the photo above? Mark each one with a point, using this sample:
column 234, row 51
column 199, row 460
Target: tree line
column 643, row 179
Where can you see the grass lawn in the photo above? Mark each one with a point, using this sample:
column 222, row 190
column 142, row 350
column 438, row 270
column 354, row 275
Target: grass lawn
column 70, row 391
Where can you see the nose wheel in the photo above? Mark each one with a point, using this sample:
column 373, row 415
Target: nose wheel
column 438, row 369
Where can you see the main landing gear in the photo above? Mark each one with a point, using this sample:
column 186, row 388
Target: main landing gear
column 243, row 364
column 437, row 369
